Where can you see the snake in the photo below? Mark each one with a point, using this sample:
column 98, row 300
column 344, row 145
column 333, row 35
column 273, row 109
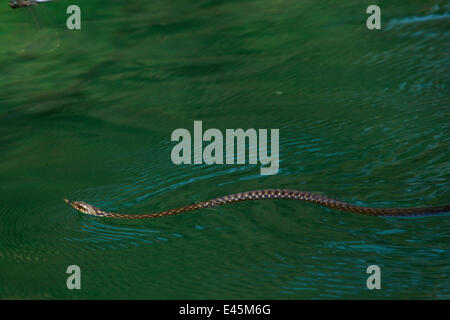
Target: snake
column 266, row 194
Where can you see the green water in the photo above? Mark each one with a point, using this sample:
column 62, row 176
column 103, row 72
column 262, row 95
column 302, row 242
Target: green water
column 363, row 117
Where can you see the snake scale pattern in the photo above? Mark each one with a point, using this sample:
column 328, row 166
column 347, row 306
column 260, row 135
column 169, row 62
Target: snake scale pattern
column 264, row 195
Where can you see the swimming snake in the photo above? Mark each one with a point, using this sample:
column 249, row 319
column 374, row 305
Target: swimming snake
column 262, row 195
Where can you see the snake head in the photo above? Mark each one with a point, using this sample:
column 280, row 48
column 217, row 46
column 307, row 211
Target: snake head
column 82, row 207
column 14, row 4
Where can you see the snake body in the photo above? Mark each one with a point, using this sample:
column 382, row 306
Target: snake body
column 263, row 195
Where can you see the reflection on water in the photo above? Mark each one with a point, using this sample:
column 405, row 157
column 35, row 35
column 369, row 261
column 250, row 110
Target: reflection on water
column 88, row 116
column 102, row 236
column 32, row 33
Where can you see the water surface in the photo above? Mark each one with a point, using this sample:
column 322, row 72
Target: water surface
column 87, row 115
